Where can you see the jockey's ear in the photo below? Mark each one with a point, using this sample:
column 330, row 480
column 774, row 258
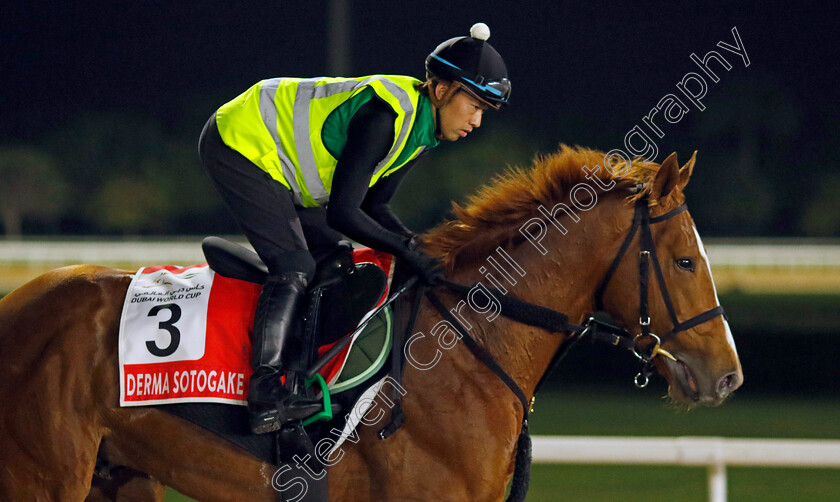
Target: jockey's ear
column 685, row 171
column 666, row 178
column 439, row 89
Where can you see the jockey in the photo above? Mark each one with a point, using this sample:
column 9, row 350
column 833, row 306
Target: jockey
column 299, row 162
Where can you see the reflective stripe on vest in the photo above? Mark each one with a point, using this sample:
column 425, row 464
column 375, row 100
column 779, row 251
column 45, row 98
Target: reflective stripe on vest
column 269, row 116
column 296, row 155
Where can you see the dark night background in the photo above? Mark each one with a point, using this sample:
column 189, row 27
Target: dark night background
column 102, row 104
column 112, row 96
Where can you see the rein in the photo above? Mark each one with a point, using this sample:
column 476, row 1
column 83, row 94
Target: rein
column 558, row 322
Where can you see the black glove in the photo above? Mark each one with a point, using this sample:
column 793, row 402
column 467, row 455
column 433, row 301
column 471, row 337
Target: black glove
column 428, row 269
column 413, row 241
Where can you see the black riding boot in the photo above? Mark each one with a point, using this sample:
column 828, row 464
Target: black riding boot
column 276, row 326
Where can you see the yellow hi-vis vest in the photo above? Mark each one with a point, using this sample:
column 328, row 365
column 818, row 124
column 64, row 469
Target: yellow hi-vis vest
column 276, row 124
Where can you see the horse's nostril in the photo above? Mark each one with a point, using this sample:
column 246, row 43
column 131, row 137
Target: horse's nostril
column 725, row 384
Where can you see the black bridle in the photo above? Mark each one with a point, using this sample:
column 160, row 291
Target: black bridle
column 558, row 322
column 647, row 254
column 597, row 329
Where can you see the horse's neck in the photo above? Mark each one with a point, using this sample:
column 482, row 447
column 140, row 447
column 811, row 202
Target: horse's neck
column 480, row 441
column 564, row 279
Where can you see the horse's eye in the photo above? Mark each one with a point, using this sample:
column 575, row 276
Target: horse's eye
column 685, row 264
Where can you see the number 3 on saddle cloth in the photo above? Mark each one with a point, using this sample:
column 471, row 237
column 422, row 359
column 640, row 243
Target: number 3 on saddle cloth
column 185, row 347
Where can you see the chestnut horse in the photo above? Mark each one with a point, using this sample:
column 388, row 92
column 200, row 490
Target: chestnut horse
column 58, row 353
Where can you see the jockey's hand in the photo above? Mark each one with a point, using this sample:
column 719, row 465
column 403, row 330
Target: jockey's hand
column 428, row 269
column 414, row 241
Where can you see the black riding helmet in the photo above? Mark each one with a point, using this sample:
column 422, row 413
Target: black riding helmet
column 474, row 63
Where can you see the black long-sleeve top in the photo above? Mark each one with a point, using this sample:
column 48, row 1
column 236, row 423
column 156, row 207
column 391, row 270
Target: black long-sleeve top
column 359, row 212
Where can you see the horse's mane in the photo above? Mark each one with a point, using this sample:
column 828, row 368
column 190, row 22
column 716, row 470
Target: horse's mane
column 494, row 213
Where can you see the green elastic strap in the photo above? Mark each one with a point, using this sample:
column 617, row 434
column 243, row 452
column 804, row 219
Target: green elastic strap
column 326, row 413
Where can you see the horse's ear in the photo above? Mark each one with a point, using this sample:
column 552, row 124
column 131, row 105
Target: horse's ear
column 685, row 171
column 666, row 178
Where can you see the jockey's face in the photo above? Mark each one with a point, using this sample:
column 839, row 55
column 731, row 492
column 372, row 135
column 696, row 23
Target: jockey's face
column 460, row 115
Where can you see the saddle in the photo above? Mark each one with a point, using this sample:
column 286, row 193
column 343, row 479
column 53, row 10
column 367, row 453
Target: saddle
column 337, row 298
column 340, row 295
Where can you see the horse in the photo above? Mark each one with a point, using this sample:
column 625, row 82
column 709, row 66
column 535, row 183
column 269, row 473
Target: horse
column 563, row 222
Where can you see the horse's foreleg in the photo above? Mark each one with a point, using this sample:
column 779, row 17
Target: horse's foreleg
column 57, row 370
column 120, row 483
column 47, row 451
column 186, row 457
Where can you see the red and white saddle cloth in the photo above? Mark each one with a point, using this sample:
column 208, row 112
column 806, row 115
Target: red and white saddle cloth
column 185, row 335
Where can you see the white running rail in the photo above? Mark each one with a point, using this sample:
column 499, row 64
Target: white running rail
column 713, row 452
column 731, row 253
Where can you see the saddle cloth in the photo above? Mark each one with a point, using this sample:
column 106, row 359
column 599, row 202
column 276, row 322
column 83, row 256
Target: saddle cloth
column 185, row 337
